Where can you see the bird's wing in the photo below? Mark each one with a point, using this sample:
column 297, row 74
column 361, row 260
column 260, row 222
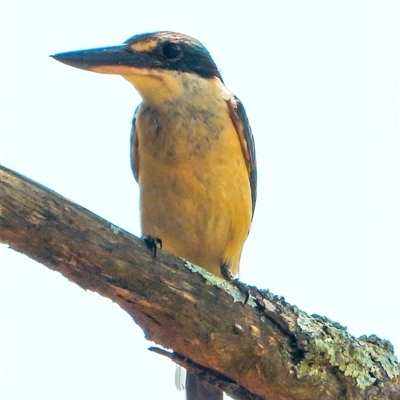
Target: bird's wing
column 134, row 149
column 241, row 123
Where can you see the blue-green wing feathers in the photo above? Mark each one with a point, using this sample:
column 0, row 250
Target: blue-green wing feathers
column 241, row 123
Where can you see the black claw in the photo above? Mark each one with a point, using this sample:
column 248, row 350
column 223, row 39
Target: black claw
column 227, row 274
column 153, row 243
column 244, row 289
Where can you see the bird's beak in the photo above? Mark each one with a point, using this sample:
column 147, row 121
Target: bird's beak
column 107, row 60
column 145, row 72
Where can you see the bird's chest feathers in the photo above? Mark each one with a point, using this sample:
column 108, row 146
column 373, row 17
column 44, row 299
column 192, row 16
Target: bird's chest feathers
column 184, row 128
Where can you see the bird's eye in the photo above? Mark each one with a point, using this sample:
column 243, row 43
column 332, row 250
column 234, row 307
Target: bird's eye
column 172, row 51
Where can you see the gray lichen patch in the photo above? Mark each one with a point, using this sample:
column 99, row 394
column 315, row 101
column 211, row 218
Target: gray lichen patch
column 223, row 284
column 326, row 343
column 115, row 229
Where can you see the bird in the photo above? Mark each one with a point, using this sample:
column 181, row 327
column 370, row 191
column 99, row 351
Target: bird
column 192, row 153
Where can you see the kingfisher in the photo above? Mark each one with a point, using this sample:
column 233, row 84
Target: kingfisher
column 192, row 153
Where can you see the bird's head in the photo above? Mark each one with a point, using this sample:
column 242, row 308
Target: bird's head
column 155, row 63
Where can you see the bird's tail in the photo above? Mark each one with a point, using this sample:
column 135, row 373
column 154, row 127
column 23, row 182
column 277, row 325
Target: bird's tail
column 197, row 389
column 180, row 377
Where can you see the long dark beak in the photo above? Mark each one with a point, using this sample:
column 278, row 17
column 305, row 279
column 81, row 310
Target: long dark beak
column 107, row 60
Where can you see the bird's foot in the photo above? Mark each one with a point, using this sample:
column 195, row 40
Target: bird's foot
column 153, row 243
column 227, row 274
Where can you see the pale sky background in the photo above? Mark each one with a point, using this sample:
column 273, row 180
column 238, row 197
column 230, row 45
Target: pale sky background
column 319, row 80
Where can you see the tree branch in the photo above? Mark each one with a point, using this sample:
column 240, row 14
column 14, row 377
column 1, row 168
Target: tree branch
column 266, row 349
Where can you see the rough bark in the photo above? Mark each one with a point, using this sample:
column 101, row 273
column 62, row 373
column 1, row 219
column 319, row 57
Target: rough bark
column 266, row 349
